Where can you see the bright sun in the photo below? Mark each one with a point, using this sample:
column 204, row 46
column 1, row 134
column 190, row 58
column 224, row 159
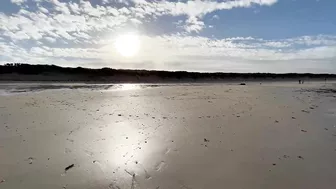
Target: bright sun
column 127, row 45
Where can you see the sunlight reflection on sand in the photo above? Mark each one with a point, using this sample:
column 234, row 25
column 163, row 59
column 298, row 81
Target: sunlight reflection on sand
column 129, row 86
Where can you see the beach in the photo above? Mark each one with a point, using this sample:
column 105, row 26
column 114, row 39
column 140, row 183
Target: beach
column 186, row 136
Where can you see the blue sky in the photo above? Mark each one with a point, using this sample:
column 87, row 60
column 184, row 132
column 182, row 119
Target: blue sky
column 202, row 35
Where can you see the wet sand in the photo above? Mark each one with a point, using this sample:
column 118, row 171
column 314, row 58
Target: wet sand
column 277, row 136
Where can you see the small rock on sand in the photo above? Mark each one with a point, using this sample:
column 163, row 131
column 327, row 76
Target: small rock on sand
column 69, row 167
column 30, row 159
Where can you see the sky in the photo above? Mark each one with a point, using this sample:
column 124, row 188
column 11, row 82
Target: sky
column 277, row 36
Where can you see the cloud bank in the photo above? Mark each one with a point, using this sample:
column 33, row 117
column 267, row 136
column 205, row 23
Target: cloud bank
column 82, row 33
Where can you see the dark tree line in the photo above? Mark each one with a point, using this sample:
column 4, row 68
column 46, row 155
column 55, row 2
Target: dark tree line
column 88, row 74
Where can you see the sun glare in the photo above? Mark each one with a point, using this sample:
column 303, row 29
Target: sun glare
column 127, row 45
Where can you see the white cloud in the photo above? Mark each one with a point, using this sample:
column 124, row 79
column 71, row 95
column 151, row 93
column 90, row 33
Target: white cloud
column 193, row 9
column 74, row 7
column 135, row 21
column 277, row 44
column 315, row 40
column 193, row 24
column 199, row 8
column 50, row 39
column 18, row 2
column 66, row 17
column 181, row 52
column 43, row 10
column 82, row 32
column 215, row 17
column 63, row 21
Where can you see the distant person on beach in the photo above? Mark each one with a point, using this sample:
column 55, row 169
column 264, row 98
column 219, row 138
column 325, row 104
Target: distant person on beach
column 299, row 81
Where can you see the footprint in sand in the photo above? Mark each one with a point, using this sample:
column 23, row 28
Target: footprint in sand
column 67, row 150
column 167, row 151
column 160, row 166
column 147, row 175
column 114, row 186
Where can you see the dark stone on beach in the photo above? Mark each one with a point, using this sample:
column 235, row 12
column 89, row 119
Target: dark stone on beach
column 285, row 156
column 303, row 130
column 69, row 167
column 206, row 140
column 242, row 84
column 30, row 159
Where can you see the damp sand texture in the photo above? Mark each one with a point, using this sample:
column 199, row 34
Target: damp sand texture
column 270, row 136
